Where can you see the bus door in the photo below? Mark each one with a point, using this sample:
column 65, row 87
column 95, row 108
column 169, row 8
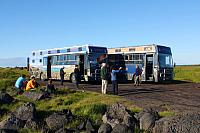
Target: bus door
column 81, row 64
column 149, row 67
column 49, row 67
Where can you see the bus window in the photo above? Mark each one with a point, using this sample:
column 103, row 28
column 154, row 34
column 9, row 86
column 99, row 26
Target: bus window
column 61, row 57
column 71, row 57
column 130, row 57
column 54, row 60
column 97, row 49
column 135, row 56
column 150, row 59
column 141, row 56
column 165, row 60
column 45, row 61
column 125, row 57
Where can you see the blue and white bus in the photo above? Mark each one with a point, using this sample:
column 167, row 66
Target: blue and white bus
column 46, row 64
column 155, row 61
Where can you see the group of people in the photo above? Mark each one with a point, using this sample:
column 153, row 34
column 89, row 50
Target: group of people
column 105, row 76
column 22, row 85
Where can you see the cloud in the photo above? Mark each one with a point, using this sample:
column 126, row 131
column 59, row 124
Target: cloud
column 13, row 62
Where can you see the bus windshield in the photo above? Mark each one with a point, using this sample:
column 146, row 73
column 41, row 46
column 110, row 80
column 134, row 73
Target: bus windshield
column 165, row 60
column 93, row 59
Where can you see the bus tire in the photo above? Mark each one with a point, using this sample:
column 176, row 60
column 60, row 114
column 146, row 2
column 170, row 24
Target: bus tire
column 72, row 78
column 42, row 77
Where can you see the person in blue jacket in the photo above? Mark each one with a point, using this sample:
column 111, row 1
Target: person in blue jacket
column 19, row 84
column 114, row 72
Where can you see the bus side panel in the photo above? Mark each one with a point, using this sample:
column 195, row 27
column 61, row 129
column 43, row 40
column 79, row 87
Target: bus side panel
column 55, row 71
column 155, row 68
column 131, row 70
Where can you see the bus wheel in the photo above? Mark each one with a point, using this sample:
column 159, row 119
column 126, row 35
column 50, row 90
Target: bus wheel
column 72, row 78
column 43, row 77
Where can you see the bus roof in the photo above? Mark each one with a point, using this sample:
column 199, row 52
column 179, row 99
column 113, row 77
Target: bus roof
column 68, row 53
column 75, row 46
column 135, row 49
column 139, row 46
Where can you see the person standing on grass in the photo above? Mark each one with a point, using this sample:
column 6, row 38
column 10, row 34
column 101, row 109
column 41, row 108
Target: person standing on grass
column 137, row 75
column 77, row 76
column 114, row 80
column 62, row 74
column 19, row 84
column 104, row 77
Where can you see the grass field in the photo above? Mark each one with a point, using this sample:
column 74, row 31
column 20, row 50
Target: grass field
column 189, row 73
column 8, row 76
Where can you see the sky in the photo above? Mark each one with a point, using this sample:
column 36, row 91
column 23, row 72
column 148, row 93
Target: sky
column 27, row 25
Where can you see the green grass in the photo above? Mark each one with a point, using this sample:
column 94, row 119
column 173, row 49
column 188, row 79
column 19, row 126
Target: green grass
column 8, row 77
column 166, row 114
column 12, row 73
column 187, row 73
column 86, row 104
column 26, row 130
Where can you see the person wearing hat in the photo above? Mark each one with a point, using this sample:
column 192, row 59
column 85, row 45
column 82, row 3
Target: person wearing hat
column 31, row 84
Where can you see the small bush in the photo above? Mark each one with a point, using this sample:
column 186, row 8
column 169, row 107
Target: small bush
column 26, row 130
column 93, row 111
column 166, row 114
column 69, row 102
column 6, row 83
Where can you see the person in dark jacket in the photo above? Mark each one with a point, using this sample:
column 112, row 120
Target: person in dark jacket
column 104, row 77
column 50, row 87
column 137, row 75
column 77, row 76
column 62, row 74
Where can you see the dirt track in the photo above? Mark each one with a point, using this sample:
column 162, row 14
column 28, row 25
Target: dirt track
column 180, row 97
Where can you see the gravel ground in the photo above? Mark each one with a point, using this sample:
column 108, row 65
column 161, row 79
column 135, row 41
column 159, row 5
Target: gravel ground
column 181, row 97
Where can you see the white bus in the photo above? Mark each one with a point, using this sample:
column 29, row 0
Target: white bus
column 46, row 64
column 155, row 61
